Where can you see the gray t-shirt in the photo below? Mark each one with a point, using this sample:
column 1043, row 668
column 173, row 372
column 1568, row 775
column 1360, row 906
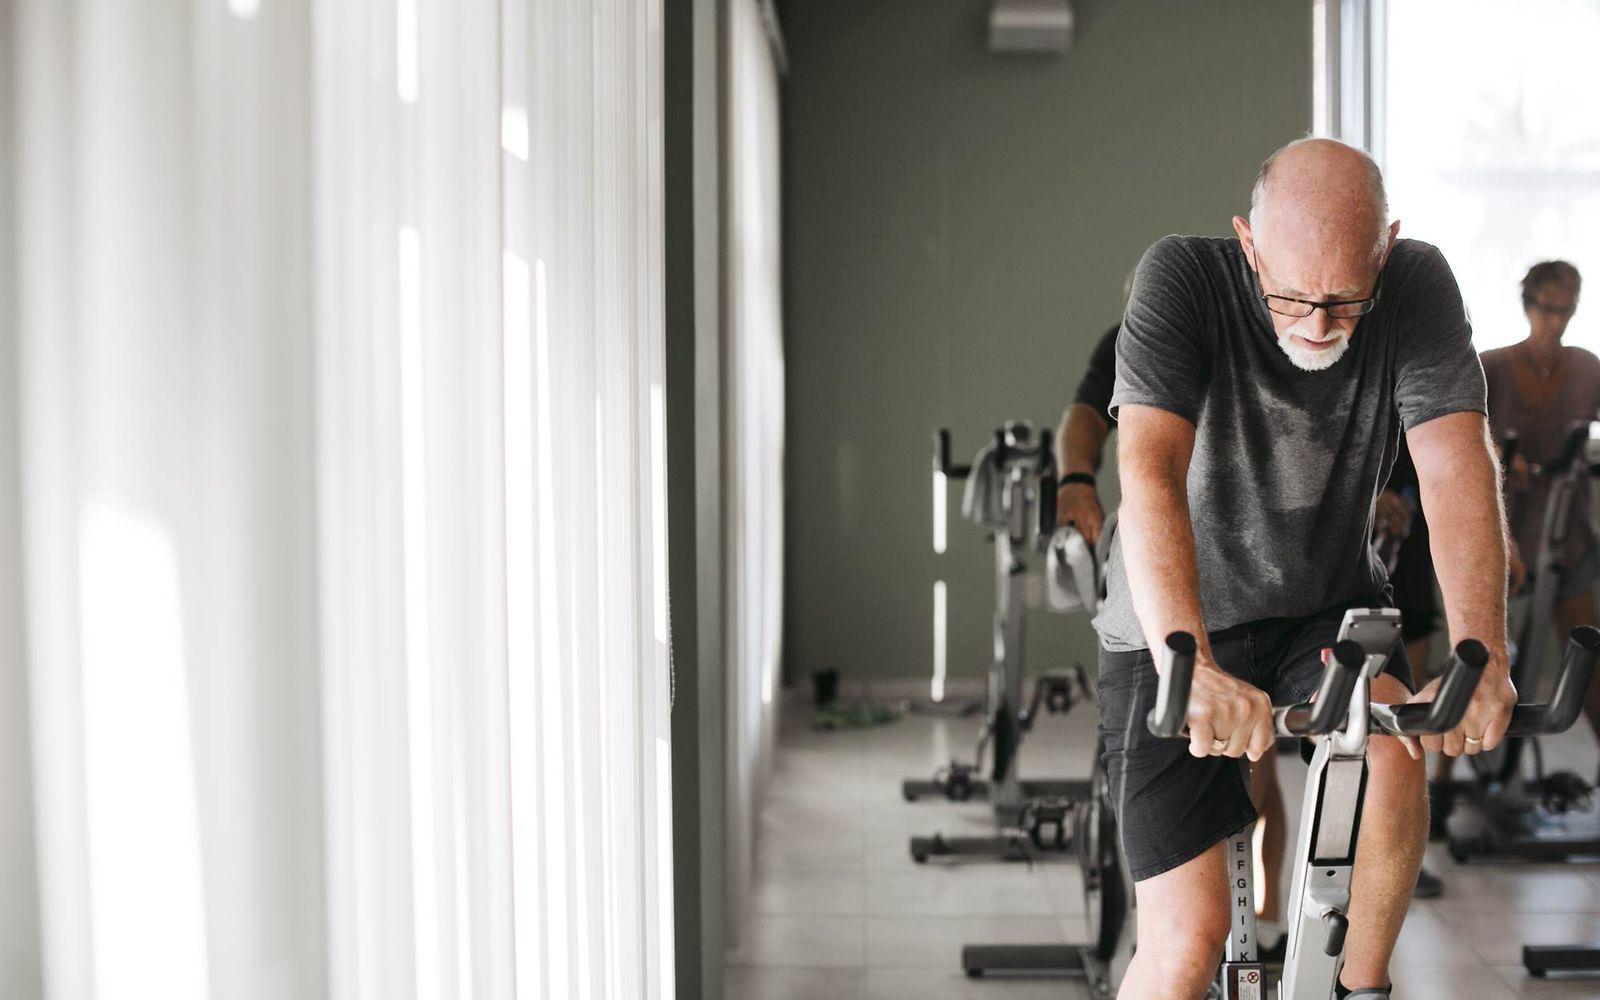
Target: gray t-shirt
column 1287, row 463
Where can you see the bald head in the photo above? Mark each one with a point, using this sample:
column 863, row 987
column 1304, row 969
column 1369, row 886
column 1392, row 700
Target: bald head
column 1320, row 193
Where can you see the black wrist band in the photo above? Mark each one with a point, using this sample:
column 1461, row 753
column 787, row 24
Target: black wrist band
column 1085, row 478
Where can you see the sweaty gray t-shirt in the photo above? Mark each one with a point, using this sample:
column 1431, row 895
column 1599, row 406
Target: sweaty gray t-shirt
column 1287, row 463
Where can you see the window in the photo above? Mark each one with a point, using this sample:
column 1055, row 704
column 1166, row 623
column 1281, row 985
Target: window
column 1492, row 145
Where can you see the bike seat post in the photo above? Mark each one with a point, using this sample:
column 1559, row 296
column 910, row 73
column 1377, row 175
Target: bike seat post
column 1243, row 976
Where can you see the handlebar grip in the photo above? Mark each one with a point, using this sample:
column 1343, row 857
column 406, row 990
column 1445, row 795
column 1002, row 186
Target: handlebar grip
column 1339, row 681
column 1577, row 670
column 1047, row 489
column 1509, row 450
column 941, row 457
column 1047, row 506
column 1166, row 719
column 1002, row 450
column 1571, row 447
column 1444, row 712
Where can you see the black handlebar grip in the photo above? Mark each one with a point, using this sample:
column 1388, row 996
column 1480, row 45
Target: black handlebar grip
column 1444, row 712
column 1577, row 435
column 1166, row 719
column 1577, row 670
column 941, row 457
column 1508, row 450
column 1338, row 926
column 1047, row 505
column 1339, row 681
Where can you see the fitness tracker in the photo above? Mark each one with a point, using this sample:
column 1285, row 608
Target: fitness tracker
column 1085, row 478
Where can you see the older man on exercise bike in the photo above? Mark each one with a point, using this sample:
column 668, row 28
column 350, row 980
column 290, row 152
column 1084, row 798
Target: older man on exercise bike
column 1262, row 383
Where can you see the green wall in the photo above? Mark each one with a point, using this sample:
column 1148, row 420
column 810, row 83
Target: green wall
column 957, row 228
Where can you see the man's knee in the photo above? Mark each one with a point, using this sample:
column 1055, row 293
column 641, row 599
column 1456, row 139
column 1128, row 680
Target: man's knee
column 1392, row 768
column 1186, row 910
column 1189, row 953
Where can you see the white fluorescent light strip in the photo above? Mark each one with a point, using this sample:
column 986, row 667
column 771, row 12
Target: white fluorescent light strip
column 940, row 511
column 244, row 10
column 658, row 512
column 147, row 913
column 522, row 689
column 514, row 131
column 558, row 955
column 407, row 54
column 418, row 634
column 940, row 620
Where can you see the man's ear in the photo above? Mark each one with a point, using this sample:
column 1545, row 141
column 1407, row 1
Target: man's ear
column 1241, row 225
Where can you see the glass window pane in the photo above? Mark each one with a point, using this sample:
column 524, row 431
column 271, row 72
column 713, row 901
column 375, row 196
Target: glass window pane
column 1493, row 146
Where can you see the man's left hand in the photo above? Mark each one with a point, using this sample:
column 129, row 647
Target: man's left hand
column 1484, row 725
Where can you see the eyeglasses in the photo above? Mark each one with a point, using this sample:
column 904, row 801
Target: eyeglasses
column 1284, row 305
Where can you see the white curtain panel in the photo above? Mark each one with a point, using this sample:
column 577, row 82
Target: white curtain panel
column 492, row 493
column 755, row 433
column 165, row 398
column 343, row 497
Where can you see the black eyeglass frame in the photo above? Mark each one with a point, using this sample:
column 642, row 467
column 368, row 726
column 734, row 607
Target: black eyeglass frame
column 1367, row 304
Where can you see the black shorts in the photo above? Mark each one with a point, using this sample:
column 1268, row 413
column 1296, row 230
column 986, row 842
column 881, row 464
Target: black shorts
column 1171, row 806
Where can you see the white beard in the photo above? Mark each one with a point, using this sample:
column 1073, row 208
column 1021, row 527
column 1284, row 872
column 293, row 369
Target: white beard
column 1307, row 359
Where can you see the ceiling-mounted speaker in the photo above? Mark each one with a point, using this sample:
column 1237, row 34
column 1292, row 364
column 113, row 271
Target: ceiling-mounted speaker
column 1030, row 26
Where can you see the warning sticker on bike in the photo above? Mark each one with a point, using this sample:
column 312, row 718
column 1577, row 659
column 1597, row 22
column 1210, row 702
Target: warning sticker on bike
column 1246, row 985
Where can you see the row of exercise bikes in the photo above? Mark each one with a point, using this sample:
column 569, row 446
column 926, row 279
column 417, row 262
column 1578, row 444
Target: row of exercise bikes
column 1507, row 809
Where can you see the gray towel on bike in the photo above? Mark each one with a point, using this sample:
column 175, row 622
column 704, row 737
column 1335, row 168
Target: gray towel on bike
column 985, row 498
column 1072, row 581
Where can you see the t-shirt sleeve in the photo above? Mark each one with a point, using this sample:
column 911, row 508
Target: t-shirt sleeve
column 1094, row 389
column 1437, row 372
column 1162, row 360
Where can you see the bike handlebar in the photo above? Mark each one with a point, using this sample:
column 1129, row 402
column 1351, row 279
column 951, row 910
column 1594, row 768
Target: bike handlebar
column 1329, row 707
column 941, row 457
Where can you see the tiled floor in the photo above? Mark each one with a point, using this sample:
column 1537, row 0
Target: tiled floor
column 840, row 912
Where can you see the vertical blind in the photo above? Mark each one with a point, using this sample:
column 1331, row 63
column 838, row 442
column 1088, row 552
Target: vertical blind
column 755, row 429
column 343, row 510
column 495, row 657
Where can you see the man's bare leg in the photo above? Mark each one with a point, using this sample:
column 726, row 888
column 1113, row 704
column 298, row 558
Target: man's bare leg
column 1394, row 831
column 1273, row 824
column 1185, row 910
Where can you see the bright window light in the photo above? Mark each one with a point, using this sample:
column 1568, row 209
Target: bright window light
column 419, row 664
column 146, row 886
column 557, row 963
column 1507, row 172
column 940, row 511
column 407, row 53
column 658, row 511
column 244, row 10
column 940, row 616
column 514, row 131
column 521, row 629
column 665, row 959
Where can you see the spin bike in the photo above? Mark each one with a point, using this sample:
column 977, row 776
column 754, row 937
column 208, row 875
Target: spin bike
column 1510, row 816
column 1011, row 476
column 1325, row 851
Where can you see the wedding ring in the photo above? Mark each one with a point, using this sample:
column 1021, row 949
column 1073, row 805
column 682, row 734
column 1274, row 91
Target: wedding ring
column 1471, row 740
column 1217, row 746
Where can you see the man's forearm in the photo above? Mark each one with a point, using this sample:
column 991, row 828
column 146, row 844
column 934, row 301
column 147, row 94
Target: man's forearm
column 1466, row 525
column 1081, row 437
column 1158, row 551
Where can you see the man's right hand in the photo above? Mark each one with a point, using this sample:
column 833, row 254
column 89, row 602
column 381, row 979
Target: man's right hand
column 1227, row 717
column 1078, row 505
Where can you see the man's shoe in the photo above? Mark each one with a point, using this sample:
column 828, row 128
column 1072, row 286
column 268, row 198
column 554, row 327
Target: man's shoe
column 1428, row 886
